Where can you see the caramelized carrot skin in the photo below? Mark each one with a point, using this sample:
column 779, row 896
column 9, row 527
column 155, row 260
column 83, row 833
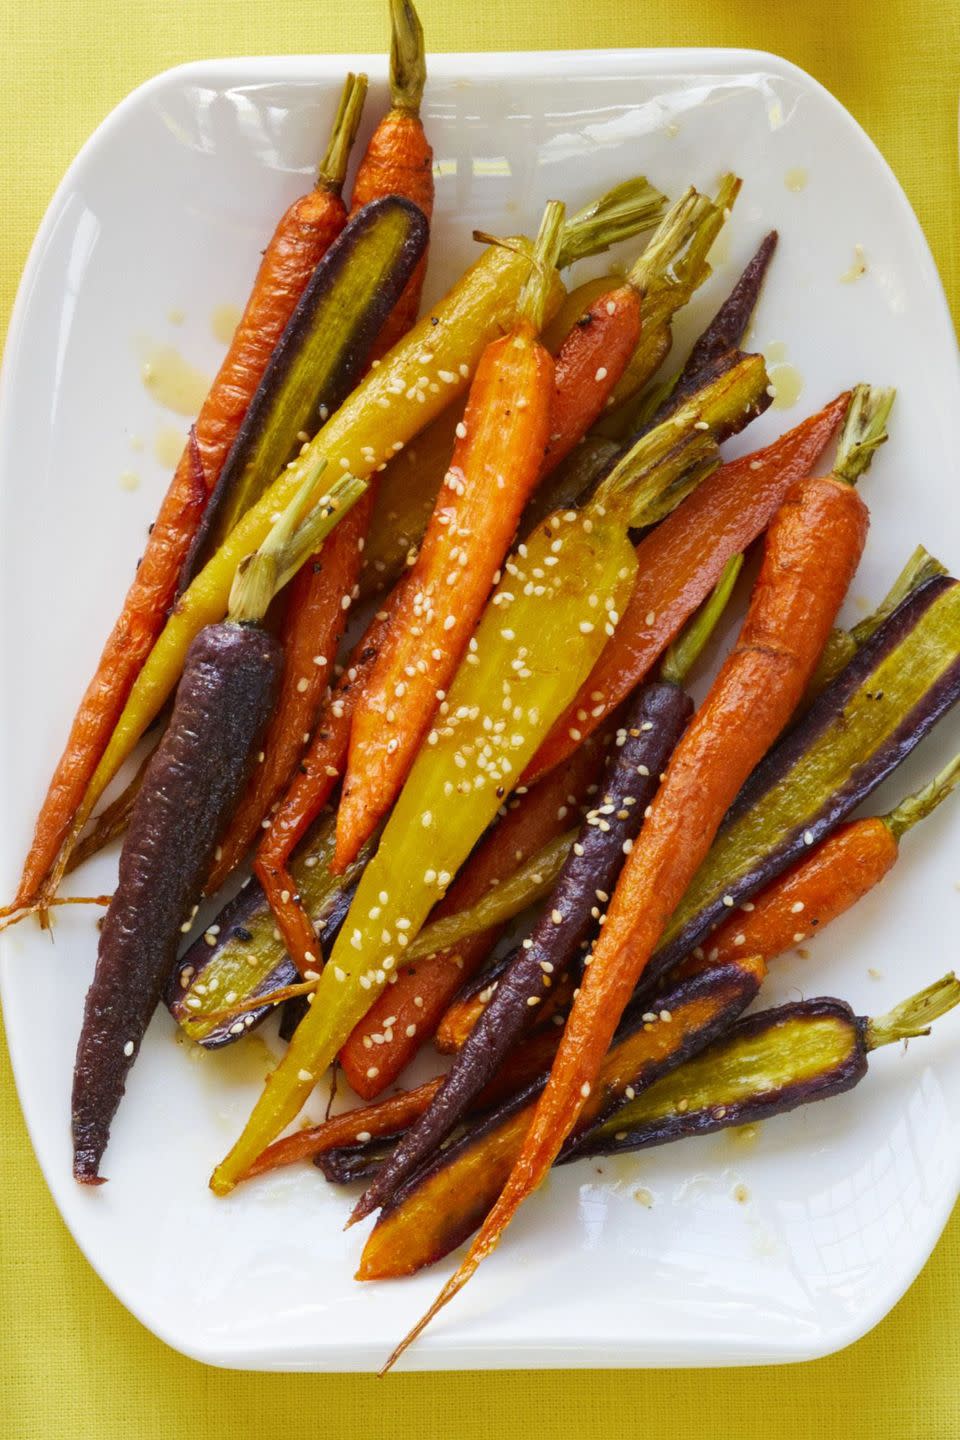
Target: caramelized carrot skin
column 589, row 363
column 830, row 880
column 538, row 818
column 495, row 464
column 679, row 564
column 304, row 234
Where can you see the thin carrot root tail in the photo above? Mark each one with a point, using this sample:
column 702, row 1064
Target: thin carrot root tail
column 452, row 1288
column 10, row 917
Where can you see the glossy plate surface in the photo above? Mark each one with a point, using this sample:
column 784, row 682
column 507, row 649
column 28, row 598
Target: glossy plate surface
column 158, row 224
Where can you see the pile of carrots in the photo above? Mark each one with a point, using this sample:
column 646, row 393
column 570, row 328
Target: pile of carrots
column 505, row 733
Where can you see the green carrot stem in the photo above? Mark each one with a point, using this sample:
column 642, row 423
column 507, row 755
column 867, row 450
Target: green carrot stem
column 688, row 646
column 333, row 166
column 923, row 802
column 625, row 210
column 533, row 297
column 914, row 1016
column 662, row 463
column 921, row 566
column 676, row 258
column 289, row 543
column 408, row 61
column 864, row 431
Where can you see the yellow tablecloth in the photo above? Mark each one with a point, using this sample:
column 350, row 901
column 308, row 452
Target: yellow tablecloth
column 73, row 1363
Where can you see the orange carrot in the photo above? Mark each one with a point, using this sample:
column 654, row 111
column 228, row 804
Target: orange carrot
column 303, row 235
column 318, row 776
column 680, row 562
column 826, row 882
column 312, row 625
column 496, row 462
column 812, row 550
column 589, row 363
column 833, row 877
column 396, row 1112
column 424, row 988
column 398, row 159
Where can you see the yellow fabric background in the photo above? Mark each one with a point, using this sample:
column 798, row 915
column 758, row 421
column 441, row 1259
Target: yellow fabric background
column 73, row 1363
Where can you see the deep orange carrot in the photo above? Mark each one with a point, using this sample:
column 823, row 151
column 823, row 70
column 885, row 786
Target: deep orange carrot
column 589, row 363
column 812, row 550
column 303, row 235
column 313, row 623
column 424, row 988
column 826, row 882
column 680, row 562
column 318, row 776
column 398, row 159
column 495, row 465
column 396, row 1112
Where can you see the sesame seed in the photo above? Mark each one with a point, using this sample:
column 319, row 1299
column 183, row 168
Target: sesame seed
column 798, row 936
column 739, row 939
column 533, row 999
column 808, row 837
column 128, row 1048
column 728, row 901
column 372, row 1072
column 585, row 1089
column 627, row 846
column 796, row 907
column 461, row 430
column 306, row 1076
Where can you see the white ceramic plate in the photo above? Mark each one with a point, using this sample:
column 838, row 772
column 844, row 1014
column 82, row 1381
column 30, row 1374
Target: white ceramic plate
column 166, row 209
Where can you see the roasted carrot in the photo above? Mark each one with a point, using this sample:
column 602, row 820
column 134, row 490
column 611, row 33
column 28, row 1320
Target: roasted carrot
column 394, row 1113
column 571, row 917
column 310, row 632
column 812, row 550
column 828, row 881
column 495, row 463
column 594, row 337
column 299, row 241
column 191, row 784
column 424, row 989
column 399, row 160
column 650, row 479
column 387, row 409
column 680, row 562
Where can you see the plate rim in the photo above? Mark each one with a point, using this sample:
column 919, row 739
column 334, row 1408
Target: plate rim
column 445, row 1351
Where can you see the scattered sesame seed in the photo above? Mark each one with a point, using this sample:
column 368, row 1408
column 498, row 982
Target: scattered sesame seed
column 585, row 1089
column 728, row 901
column 306, row 1076
column 808, row 837
column 796, row 907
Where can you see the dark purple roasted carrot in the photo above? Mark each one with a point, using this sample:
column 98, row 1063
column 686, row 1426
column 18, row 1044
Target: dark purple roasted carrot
column 644, row 744
column 449, row 1197
column 192, row 783
column 767, row 1065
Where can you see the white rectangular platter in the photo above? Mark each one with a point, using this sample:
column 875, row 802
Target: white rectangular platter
column 159, row 222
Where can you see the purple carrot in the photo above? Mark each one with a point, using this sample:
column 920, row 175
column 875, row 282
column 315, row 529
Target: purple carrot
column 190, row 788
